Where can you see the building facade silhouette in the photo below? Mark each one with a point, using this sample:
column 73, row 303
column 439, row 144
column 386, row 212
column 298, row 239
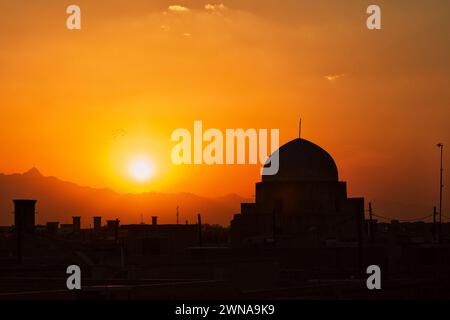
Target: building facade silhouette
column 303, row 205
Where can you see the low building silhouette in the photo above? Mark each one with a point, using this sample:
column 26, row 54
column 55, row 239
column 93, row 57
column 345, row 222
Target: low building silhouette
column 302, row 237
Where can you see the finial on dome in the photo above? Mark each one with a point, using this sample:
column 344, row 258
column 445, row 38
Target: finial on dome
column 300, row 128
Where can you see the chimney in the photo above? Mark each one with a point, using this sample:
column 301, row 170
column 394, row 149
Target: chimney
column 97, row 223
column 154, row 220
column 24, row 222
column 76, row 222
column 24, row 215
column 116, row 231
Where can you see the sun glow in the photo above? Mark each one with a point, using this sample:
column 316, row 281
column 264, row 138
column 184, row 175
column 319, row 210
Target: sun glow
column 141, row 169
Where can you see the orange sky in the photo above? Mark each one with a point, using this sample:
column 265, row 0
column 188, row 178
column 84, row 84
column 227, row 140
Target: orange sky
column 80, row 105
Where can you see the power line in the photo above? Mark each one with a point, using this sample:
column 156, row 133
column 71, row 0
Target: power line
column 371, row 212
column 403, row 220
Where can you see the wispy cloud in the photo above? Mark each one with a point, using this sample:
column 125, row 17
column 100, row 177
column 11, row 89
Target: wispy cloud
column 333, row 77
column 177, row 8
column 215, row 7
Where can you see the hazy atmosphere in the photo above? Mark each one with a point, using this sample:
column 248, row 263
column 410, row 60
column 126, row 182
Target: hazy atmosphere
column 83, row 105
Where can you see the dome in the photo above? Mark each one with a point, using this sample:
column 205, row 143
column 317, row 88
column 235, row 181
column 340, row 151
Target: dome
column 302, row 160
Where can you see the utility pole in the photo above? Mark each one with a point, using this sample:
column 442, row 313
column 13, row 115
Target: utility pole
column 178, row 215
column 370, row 223
column 359, row 222
column 200, row 240
column 434, row 223
column 441, row 186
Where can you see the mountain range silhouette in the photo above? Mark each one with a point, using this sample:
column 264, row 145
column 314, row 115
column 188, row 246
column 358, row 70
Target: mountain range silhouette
column 59, row 200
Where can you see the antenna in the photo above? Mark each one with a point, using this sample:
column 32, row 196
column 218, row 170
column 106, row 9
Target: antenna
column 300, row 128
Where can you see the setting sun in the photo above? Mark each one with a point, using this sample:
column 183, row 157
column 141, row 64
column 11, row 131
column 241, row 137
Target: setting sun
column 141, row 169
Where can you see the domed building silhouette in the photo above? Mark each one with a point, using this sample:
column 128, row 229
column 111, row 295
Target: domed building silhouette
column 303, row 205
